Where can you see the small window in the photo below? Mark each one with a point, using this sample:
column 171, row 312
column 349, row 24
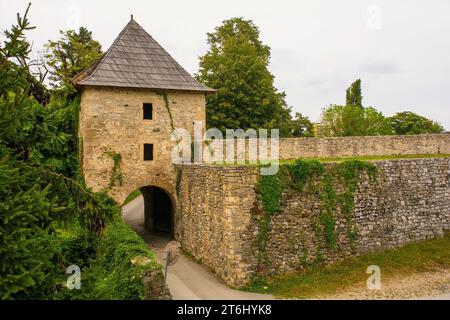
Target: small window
column 148, row 111
column 148, row 152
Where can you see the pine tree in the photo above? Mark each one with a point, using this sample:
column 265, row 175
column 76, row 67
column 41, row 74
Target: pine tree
column 354, row 94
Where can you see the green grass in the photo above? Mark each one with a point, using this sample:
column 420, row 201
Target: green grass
column 361, row 158
column 136, row 193
column 374, row 158
column 316, row 281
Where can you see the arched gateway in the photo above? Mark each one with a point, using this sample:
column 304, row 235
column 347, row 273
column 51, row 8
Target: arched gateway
column 132, row 99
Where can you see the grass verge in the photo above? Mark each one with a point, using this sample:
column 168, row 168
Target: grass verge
column 431, row 255
column 375, row 158
column 341, row 159
column 136, row 193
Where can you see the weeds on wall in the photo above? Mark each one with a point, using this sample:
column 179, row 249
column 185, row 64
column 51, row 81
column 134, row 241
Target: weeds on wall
column 116, row 178
column 334, row 187
column 179, row 174
column 165, row 98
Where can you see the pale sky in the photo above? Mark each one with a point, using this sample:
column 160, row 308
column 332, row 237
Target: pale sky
column 400, row 49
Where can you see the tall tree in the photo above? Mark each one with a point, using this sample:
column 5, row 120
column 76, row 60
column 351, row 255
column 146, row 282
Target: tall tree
column 302, row 126
column 354, row 121
column 35, row 155
column 237, row 66
column 354, row 94
column 70, row 54
column 410, row 123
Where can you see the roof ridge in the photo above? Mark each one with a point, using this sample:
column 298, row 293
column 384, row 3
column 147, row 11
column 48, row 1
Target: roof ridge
column 148, row 55
column 107, row 51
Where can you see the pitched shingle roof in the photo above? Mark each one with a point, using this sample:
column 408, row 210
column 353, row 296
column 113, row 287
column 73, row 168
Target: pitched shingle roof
column 136, row 60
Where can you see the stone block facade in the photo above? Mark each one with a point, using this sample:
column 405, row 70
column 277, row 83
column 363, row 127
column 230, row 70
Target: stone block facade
column 111, row 121
column 214, row 205
column 294, row 148
column 220, row 210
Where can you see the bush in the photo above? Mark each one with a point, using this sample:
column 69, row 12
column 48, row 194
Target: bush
column 110, row 274
column 120, row 278
column 27, row 240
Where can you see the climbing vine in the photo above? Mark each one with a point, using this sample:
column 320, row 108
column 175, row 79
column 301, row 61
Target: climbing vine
column 167, row 106
column 334, row 187
column 270, row 191
column 179, row 174
column 116, row 178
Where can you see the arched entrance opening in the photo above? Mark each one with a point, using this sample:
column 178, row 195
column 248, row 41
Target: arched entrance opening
column 158, row 210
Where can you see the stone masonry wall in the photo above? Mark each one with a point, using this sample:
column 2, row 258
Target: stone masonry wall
column 111, row 120
column 364, row 146
column 214, row 206
column 408, row 202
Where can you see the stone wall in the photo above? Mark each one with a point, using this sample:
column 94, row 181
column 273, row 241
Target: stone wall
column 214, row 210
column 364, row 146
column 337, row 147
column 221, row 213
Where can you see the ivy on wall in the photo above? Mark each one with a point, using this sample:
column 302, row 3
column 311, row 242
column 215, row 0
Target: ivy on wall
column 179, row 175
column 116, row 178
column 165, row 98
column 334, row 187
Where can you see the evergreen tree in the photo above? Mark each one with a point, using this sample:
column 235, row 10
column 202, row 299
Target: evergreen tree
column 38, row 165
column 354, row 94
column 237, row 66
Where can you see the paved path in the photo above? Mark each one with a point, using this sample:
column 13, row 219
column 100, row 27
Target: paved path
column 186, row 279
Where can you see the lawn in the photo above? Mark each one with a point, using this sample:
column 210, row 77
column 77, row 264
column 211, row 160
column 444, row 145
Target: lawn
column 362, row 158
column 375, row 158
column 136, row 193
column 316, row 281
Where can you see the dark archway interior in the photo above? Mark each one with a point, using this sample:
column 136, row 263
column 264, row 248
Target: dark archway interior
column 158, row 210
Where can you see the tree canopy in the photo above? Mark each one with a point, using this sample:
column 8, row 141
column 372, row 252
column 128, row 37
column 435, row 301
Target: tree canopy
column 70, row 54
column 354, row 119
column 237, row 66
column 40, row 187
column 407, row 122
column 354, row 94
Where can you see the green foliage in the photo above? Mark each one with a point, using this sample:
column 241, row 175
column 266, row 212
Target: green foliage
column 334, row 187
column 317, row 281
column 327, row 212
column 116, row 178
column 237, row 66
column 136, row 193
column 302, row 126
column 70, row 54
column 115, row 275
column 26, row 235
column 302, row 170
column 353, row 121
column 270, row 190
column 354, row 94
column 15, row 76
column 404, row 123
column 165, row 98
column 179, row 175
column 39, row 181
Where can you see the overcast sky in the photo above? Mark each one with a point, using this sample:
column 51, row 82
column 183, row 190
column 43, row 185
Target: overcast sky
column 400, row 49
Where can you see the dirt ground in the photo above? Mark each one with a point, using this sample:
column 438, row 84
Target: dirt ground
column 428, row 285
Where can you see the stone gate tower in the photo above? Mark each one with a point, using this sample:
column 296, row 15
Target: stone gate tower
column 131, row 101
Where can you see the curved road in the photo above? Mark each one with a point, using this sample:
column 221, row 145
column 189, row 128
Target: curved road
column 187, row 280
